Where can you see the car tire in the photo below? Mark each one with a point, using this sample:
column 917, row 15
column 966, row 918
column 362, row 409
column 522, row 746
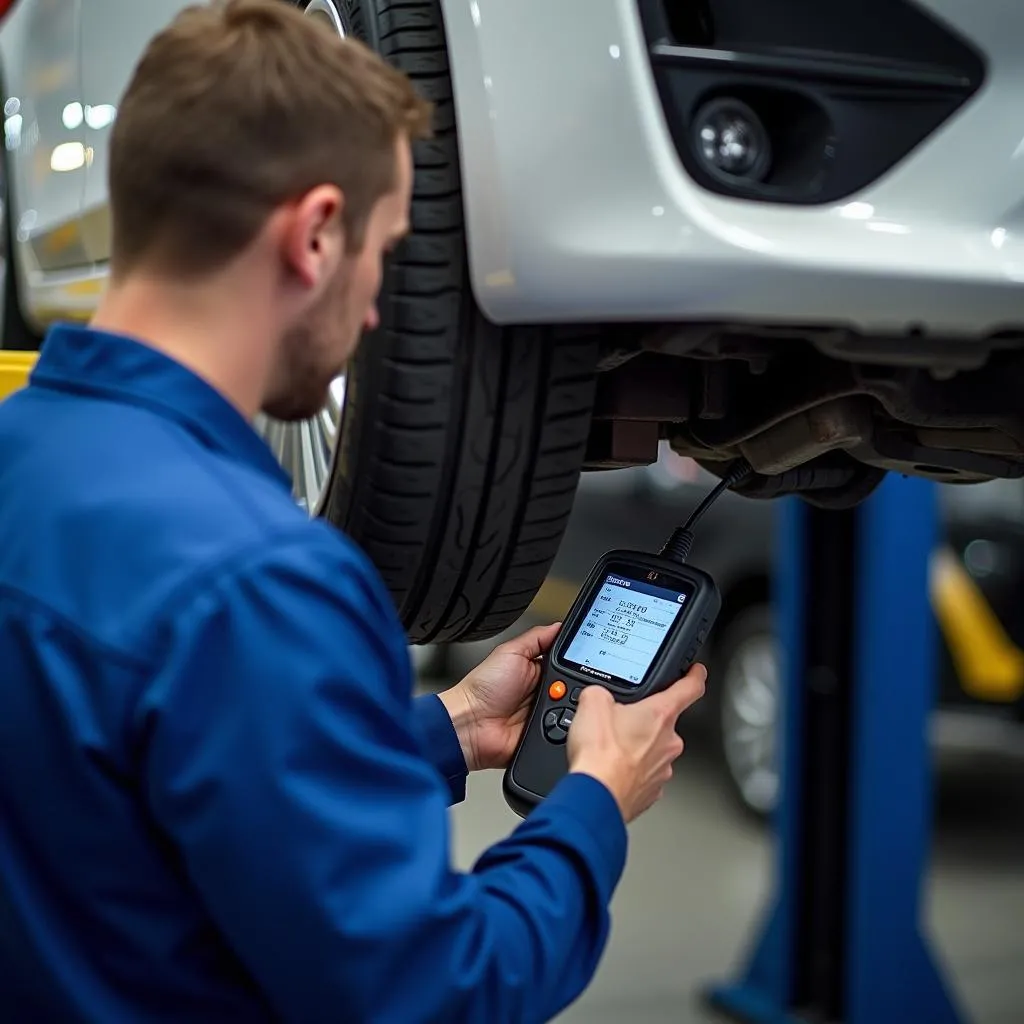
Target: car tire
column 745, row 691
column 460, row 443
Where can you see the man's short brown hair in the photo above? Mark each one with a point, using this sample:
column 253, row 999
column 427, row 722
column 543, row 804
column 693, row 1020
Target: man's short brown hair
column 235, row 108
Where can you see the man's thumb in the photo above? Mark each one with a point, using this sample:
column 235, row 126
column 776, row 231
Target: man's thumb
column 595, row 695
column 534, row 642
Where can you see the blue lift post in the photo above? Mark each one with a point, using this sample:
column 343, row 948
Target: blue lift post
column 842, row 941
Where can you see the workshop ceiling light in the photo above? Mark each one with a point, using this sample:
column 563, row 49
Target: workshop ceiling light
column 68, row 156
column 100, row 116
column 72, row 116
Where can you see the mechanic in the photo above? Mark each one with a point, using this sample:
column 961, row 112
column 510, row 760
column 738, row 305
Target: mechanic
column 219, row 799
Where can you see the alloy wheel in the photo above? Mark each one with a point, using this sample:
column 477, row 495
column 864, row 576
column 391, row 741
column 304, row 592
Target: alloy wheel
column 306, row 449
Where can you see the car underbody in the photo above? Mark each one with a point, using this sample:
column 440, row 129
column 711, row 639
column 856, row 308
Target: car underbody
column 818, row 411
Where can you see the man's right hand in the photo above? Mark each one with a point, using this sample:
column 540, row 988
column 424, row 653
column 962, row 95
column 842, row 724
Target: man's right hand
column 631, row 747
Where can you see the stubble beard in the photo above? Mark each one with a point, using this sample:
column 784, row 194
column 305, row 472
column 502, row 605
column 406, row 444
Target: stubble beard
column 306, row 371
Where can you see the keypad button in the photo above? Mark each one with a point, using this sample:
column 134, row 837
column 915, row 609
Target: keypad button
column 553, row 729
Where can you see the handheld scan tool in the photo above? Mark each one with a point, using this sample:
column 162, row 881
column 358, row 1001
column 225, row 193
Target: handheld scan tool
column 636, row 626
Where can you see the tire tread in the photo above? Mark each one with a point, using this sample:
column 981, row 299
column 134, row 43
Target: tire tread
column 461, row 451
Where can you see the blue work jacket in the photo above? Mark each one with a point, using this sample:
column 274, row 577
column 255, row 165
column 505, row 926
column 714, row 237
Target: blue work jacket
column 220, row 800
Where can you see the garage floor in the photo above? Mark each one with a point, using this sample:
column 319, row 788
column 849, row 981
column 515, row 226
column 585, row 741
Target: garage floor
column 698, row 873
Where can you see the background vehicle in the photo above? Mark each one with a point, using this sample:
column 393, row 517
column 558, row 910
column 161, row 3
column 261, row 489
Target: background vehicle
column 788, row 233
column 976, row 589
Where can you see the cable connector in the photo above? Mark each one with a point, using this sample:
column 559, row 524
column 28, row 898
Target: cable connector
column 740, row 471
column 678, row 546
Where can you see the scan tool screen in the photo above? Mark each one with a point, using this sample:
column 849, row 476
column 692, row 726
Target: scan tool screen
column 624, row 628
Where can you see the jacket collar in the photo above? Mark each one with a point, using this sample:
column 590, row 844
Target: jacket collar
column 118, row 368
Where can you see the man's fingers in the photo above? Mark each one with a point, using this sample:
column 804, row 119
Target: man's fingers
column 592, row 694
column 534, row 642
column 686, row 691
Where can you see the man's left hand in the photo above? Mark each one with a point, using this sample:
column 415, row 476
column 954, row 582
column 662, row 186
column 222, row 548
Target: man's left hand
column 490, row 706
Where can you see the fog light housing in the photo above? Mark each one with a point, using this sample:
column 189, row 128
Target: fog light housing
column 731, row 142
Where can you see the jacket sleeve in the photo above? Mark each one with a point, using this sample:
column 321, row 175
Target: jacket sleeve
column 281, row 756
column 440, row 744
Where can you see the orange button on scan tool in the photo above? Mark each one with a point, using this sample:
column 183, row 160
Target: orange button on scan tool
column 556, row 691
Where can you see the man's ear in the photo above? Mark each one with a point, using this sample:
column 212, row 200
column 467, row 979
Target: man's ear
column 314, row 237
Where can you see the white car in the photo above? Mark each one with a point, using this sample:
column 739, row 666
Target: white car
column 791, row 231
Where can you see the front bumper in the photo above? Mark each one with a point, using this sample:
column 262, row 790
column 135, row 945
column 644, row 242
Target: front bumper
column 579, row 208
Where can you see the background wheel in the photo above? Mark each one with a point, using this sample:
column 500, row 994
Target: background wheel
column 460, row 443
column 746, row 697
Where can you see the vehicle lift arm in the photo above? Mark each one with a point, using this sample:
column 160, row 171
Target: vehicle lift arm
column 842, row 942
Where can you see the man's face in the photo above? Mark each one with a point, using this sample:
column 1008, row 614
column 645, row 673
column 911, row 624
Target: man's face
column 317, row 348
